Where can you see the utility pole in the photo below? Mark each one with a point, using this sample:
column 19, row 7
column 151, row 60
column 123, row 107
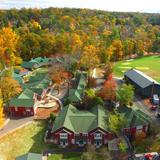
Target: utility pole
column 152, row 89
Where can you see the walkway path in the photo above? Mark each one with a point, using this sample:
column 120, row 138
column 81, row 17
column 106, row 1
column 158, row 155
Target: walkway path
column 14, row 124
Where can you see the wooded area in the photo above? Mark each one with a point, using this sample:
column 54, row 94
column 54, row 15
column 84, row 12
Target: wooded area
column 111, row 35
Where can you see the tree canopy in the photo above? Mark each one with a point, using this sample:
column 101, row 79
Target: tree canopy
column 111, row 35
column 125, row 94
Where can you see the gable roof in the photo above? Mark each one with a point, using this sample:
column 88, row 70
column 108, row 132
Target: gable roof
column 37, row 86
column 25, row 99
column 21, row 102
column 17, row 77
column 26, row 94
column 28, row 65
column 81, row 80
column 75, row 95
column 70, row 116
column 140, row 78
column 30, row 156
column 38, row 81
column 37, row 60
column 134, row 117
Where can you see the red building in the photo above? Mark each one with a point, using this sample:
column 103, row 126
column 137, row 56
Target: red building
column 24, row 104
column 137, row 121
column 75, row 127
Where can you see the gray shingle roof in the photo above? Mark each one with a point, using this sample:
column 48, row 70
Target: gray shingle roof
column 140, row 78
column 30, row 156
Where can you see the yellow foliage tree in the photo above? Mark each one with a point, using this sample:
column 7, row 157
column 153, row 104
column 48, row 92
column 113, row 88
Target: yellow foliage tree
column 1, row 114
column 34, row 26
column 1, row 111
column 9, row 88
column 8, row 45
column 118, row 49
column 89, row 57
column 109, row 52
column 76, row 43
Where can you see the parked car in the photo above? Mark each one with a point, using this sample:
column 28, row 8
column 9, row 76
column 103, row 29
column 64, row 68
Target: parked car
column 155, row 99
column 147, row 156
column 153, row 107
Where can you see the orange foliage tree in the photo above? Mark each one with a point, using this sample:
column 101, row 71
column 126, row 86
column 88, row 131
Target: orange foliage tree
column 59, row 75
column 108, row 92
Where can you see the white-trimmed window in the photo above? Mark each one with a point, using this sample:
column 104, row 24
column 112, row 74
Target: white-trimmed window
column 85, row 134
column 139, row 127
column 98, row 136
column 28, row 110
column 16, row 109
column 63, row 136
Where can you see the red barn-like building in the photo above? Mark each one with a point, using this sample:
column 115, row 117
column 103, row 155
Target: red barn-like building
column 24, row 104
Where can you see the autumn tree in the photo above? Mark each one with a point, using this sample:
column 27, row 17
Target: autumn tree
column 8, row 47
column 117, row 49
column 129, row 47
column 108, row 69
column 110, row 52
column 34, row 26
column 108, row 92
column 1, row 111
column 125, row 94
column 30, row 45
column 92, row 99
column 56, row 74
column 75, row 43
column 9, row 88
column 59, row 75
column 89, row 58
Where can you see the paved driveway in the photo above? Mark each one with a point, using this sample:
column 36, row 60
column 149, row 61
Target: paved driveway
column 140, row 105
column 14, row 124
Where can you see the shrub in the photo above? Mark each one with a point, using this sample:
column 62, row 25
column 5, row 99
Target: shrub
column 52, row 117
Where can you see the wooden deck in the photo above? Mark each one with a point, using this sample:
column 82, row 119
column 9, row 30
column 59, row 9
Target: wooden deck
column 44, row 113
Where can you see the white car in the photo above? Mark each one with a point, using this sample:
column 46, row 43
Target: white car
column 155, row 99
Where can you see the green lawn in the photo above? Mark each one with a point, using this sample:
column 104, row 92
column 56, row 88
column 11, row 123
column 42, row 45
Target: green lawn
column 66, row 156
column 70, row 156
column 149, row 65
column 26, row 139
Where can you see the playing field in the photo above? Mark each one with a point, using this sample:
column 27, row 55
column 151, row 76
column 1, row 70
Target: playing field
column 149, row 65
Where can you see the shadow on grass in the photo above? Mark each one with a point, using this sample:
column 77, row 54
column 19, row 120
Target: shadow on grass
column 39, row 146
column 72, row 156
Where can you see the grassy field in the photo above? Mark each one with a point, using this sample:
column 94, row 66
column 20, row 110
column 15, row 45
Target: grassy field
column 149, row 65
column 26, row 139
column 66, row 156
